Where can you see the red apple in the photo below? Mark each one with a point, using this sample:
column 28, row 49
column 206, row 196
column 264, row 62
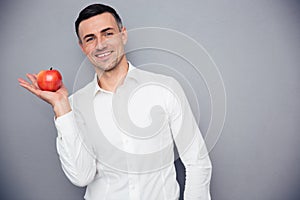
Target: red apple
column 49, row 80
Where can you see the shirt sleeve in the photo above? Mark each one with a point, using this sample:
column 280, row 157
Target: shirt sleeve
column 77, row 162
column 190, row 146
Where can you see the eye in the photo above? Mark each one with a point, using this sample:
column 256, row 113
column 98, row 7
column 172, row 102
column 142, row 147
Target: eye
column 89, row 39
column 108, row 34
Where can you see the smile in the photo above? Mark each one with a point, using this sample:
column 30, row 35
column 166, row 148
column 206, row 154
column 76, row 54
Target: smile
column 103, row 54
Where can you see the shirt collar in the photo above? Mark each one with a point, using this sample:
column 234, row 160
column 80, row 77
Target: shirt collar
column 99, row 89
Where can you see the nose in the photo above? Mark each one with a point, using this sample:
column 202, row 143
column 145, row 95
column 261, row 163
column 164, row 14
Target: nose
column 101, row 43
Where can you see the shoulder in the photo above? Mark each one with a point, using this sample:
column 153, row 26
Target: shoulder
column 143, row 76
column 87, row 89
column 163, row 86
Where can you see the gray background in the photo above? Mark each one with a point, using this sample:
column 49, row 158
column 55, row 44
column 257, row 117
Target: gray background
column 255, row 44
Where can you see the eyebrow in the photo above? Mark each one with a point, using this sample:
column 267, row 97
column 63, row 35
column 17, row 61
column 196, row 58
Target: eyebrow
column 106, row 29
column 102, row 31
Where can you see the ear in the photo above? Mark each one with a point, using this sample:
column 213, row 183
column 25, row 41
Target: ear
column 124, row 35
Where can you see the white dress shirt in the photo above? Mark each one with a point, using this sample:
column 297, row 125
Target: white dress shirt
column 152, row 181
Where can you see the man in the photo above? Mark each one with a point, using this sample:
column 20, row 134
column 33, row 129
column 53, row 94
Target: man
column 93, row 149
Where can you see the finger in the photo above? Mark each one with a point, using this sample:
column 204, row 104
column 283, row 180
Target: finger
column 62, row 85
column 63, row 90
column 25, row 84
column 33, row 80
column 21, row 80
column 31, row 77
column 28, row 86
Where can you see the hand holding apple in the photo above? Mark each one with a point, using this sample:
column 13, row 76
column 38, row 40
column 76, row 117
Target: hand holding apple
column 49, row 80
column 43, row 86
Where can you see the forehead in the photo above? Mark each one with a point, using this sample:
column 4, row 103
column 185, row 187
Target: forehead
column 97, row 23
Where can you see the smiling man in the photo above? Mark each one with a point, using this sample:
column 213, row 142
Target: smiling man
column 102, row 38
column 93, row 149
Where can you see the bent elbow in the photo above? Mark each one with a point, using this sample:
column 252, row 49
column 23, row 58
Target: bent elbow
column 80, row 179
column 79, row 182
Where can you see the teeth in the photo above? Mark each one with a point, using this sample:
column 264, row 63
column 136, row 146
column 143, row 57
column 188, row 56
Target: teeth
column 102, row 55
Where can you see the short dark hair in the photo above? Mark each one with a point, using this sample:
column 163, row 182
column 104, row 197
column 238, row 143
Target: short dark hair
column 96, row 9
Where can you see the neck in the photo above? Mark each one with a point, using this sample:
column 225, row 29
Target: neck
column 111, row 79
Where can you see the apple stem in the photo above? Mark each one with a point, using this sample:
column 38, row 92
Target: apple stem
column 50, row 68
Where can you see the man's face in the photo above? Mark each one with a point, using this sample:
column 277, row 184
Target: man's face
column 102, row 41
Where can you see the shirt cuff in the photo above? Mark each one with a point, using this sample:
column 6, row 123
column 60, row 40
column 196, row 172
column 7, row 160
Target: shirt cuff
column 66, row 124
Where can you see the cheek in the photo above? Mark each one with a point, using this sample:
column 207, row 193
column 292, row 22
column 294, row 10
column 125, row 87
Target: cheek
column 119, row 45
column 88, row 51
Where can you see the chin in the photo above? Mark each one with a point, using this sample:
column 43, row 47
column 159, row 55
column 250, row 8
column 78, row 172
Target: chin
column 104, row 67
column 109, row 68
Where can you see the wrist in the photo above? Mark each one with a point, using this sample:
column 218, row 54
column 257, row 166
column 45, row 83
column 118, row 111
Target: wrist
column 61, row 107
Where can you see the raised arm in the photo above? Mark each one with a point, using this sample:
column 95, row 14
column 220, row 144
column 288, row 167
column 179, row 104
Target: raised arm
column 77, row 162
